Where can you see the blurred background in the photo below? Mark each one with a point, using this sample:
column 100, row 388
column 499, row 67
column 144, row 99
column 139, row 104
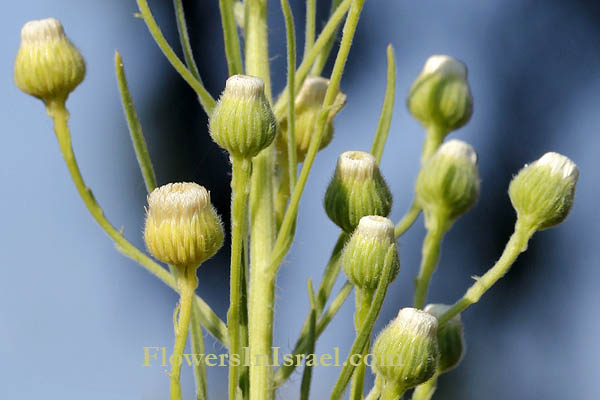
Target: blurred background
column 75, row 314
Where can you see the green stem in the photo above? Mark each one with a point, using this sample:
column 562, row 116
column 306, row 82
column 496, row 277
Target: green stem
column 425, row 390
column 197, row 342
column 188, row 283
column 230, row 35
column 60, row 116
column 515, row 246
column 309, row 34
column 434, row 137
column 385, row 117
column 311, row 339
column 364, row 298
column 376, row 390
column 257, row 42
column 363, row 337
column 303, row 70
column 206, row 100
column 135, row 128
column 391, row 391
column 282, row 243
column 239, row 222
column 320, row 62
column 329, row 278
column 407, row 220
column 430, row 256
column 291, row 68
column 184, row 38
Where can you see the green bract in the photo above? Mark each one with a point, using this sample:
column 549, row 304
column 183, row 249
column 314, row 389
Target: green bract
column 448, row 183
column 364, row 255
column 242, row 122
column 451, row 342
column 405, row 354
column 440, row 96
column 357, row 189
column 543, row 192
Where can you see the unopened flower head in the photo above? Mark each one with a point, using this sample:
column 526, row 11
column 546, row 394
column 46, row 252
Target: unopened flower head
column 451, row 342
column 440, row 97
column 405, row 353
column 182, row 227
column 448, row 183
column 365, row 253
column 242, row 122
column 307, row 108
column 543, row 191
column 357, row 189
column 48, row 66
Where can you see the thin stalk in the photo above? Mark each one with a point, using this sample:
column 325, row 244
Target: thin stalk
column 187, row 283
column 385, row 117
column 197, row 342
column 257, row 43
column 329, row 278
column 515, row 246
column 230, row 35
column 425, row 390
column 434, row 136
column 324, row 54
column 206, row 100
column 291, row 68
column 60, row 116
column 392, row 391
column 303, row 70
column 364, row 298
column 408, row 219
column 309, row 30
column 184, row 38
column 376, row 390
column 363, row 337
column 282, row 243
column 135, row 128
column 239, row 222
column 430, row 256
column 311, row 339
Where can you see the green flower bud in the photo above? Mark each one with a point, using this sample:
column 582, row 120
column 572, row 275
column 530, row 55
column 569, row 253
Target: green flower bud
column 440, row 96
column 405, row 353
column 242, row 122
column 48, row 66
column 357, row 189
column 364, row 256
column 448, row 183
column 307, row 108
column 543, row 192
column 451, row 342
column 182, row 227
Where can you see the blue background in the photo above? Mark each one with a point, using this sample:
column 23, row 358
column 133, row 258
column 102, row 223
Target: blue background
column 75, row 314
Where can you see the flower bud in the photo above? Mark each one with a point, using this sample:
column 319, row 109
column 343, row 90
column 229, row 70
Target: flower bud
column 242, row 122
column 307, row 107
column 48, row 66
column 440, row 96
column 451, row 342
column 543, row 192
column 182, row 227
column 357, row 189
column 448, row 183
column 405, row 353
column 364, row 256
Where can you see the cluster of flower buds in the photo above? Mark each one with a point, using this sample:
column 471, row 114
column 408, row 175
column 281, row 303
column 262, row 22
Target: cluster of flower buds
column 48, row 65
column 307, row 108
column 543, row 191
column 242, row 122
column 405, row 353
column 440, row 97
column 448, row 182
column 364, row 256
column 356, row 190
column 182, row 227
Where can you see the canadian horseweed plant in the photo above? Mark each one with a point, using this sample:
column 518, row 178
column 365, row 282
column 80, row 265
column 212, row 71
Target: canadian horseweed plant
column 272, row 143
